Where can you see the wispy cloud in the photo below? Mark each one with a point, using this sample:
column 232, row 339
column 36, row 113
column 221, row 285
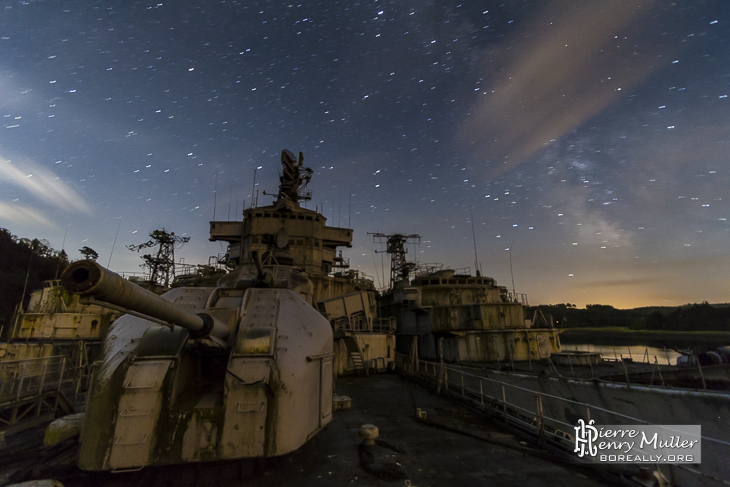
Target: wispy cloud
column 21, row 215
column 43, row 185
column 558, row 71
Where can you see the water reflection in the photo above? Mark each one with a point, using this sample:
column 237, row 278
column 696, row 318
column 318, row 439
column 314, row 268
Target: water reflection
column 638, row 353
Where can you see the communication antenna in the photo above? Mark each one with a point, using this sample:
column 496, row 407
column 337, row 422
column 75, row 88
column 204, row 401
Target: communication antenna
column 253, row 189
column 474, row 238
column 215, row 193
column 510, row 267
column 230, row 200
column 377, row 274
column 108, row 264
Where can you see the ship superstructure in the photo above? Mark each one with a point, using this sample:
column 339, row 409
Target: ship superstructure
column 285, row 233
column 46, row 362
column 444, row 313
column 57, row 323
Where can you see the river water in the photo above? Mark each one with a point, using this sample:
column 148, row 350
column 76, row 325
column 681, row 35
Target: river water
column 638, row 353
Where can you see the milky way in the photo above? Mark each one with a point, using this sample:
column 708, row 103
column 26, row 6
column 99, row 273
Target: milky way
column 588, row 140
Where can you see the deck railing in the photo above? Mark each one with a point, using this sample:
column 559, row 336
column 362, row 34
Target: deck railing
column 525, row 409
column 21, row 379
column 517, row 298
column 358, row 324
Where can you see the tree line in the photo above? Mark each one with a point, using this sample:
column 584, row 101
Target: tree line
column 24, row 265
column 689, row 317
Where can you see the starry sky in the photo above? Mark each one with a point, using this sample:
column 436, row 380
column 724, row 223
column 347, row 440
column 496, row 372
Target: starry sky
column 582, row 146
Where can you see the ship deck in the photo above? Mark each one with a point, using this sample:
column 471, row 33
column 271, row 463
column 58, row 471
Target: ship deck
column 453, row 446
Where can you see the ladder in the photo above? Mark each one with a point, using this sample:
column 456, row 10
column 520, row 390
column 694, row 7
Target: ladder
column 353, row 350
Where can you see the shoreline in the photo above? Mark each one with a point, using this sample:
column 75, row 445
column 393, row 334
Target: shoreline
column 619, row 335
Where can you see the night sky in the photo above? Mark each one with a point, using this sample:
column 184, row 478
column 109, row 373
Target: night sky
column 589, row 140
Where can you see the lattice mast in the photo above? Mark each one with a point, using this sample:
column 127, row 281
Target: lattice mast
column 400, row 268
column 161, row 265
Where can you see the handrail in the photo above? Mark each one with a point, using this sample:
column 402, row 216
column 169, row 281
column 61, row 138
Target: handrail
column 401, row 359
column 21, row 379
column 536, row 420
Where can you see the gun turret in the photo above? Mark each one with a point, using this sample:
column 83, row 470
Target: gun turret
column 259, row 386
column 88, row 278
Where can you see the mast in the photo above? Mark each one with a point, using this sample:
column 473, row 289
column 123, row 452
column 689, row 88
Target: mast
column 161, row 265
column 400, row 269
column 474, row 238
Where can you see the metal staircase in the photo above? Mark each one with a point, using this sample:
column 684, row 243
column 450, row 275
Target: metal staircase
column 353, row 350
column 358, row 362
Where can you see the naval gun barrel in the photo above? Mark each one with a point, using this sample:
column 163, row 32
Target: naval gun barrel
column 88, row 278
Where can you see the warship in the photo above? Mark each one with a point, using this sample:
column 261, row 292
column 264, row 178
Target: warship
column 451, row 316
column 467, row 337
column 285, row 233
column 245, row 371
column 460, row 318
column 45, row 362
column 56, row 323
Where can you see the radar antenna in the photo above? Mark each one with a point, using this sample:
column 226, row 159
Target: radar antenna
column 293, row 181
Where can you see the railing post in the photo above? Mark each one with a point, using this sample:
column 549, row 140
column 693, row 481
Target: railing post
column 702, row 376
column 60, row 377
column 41, row 385
column 504, row 404
column 44, row 369
column 20, row 383
column 481, row 390
column 660, row 371
column 626, row 372
column 540, row 418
